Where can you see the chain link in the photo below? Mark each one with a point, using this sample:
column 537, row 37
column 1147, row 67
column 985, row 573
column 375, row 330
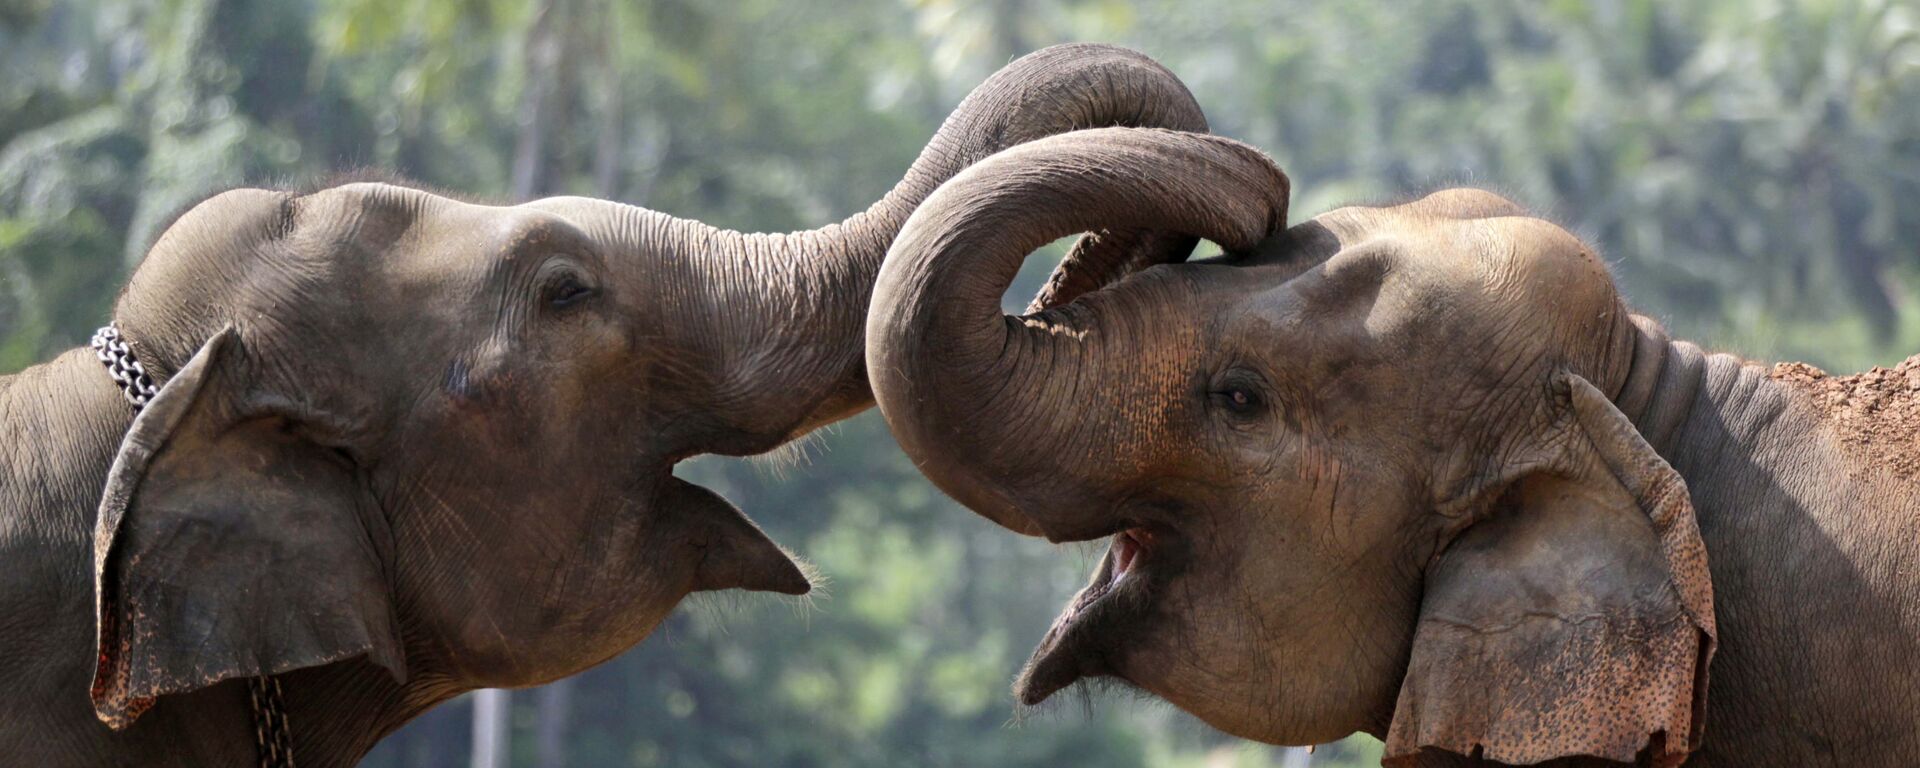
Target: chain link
column 271, row 734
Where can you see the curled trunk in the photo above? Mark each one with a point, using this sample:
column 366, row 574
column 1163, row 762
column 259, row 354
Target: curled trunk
column 769, row 325
column 1027, row 420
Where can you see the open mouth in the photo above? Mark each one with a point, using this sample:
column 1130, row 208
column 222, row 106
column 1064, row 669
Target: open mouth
column 1126, row 556
column 1129, row 548
column 1087, row 638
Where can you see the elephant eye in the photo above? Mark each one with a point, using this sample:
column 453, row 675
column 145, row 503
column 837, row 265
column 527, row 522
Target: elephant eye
column 1238, row 400
column 568, row 290
column 1239, row 392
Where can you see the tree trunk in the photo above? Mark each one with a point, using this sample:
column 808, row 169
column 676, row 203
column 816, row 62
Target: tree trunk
column 542, row 52
column 606, row 155
column 492, row 721
column 553, row 707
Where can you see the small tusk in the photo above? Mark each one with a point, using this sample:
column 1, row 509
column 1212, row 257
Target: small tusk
column 1311, row 748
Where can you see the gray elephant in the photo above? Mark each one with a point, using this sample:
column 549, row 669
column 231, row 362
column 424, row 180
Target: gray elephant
column 1413, row 470
column 404, row 446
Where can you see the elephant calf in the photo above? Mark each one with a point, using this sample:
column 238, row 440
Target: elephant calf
column 1413, row 470
column 404, row 446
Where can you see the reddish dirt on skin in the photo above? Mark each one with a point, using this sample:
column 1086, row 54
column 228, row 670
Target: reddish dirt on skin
column 1877, row 411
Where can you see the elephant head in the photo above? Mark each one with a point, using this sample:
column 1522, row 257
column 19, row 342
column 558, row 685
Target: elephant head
column 1359, row 474
column 440, row 435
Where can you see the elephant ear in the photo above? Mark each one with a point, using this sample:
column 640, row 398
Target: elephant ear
column 1575, row 620
column 229, row 546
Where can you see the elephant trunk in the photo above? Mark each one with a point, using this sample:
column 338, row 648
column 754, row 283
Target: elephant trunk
column 773, row 322
column 1041, row 422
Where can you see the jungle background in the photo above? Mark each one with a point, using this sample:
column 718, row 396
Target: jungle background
column 1751, row 168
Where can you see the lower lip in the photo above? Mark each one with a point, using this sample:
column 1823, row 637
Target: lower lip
column 1130, row 548
column 1088, row 648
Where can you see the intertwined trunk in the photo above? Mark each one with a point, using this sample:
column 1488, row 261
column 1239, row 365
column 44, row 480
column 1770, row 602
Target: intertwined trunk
column 1035, row 421
column 768, row 327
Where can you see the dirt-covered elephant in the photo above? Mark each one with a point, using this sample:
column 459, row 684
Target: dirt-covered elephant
column 1412, row 470
column 404, row 446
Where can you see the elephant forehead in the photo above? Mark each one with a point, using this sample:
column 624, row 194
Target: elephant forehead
column 1412, row 286
column 1459, row 203
column 411, row 229
column 506, row 233
column 1508, row 260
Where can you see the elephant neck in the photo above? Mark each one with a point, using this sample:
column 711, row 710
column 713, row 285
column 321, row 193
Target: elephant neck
column 1662, row 378
column 1802, row 426
column 63, row 421
column 337, row 713
column 1695, row 407
column 1804, row 488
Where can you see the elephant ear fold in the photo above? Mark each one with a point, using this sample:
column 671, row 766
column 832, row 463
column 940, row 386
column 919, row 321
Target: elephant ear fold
column 1574, row 619
column 229, row 546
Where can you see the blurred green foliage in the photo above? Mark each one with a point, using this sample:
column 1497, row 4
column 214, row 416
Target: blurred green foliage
column 1748, row 167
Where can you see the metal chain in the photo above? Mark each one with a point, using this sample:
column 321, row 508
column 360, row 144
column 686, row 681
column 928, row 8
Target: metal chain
column 271, row 734
column 270, row 731
column 132, row 377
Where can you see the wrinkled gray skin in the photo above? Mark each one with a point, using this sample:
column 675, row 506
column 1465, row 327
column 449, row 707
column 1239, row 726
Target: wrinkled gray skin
column 1413, row 470
column 408, row 446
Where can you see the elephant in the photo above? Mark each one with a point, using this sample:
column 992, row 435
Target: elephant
column 405, row 446
column 1412, row 470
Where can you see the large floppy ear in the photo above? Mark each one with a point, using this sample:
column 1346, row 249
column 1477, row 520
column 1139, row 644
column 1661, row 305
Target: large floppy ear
column 1575, row 619
column 228, row 545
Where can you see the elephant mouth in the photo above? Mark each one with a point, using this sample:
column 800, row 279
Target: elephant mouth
column 1090, row 637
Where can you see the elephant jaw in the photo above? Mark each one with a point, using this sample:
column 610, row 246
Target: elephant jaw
column 1090, row 637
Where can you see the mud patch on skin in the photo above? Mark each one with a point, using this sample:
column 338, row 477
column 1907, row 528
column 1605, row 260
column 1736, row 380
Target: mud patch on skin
column 1876, row 412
